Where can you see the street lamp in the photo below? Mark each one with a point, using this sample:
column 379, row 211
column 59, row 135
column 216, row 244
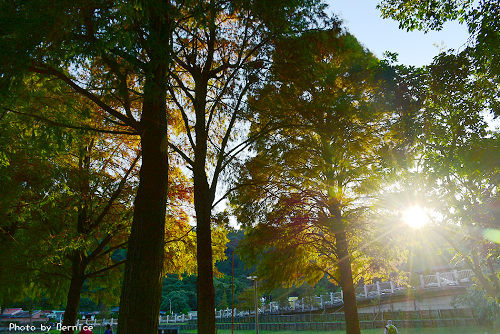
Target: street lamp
column 232, row 291
column 254, row 278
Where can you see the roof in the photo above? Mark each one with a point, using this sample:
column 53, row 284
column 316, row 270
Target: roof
column 21, row 314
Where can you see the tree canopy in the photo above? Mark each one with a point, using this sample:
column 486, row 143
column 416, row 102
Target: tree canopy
column 307, row 190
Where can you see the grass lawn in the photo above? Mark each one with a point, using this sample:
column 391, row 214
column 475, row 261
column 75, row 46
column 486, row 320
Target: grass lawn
column 97, row 330
column 442, row 330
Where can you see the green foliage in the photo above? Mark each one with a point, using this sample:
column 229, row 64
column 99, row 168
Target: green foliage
column 175, row 285
column 246, row 299
column 46, row 219
column 330, row 126
column 485, row 309
column 179, row 300
column 425, row 15
column 481, row 17
column 452, row 165
column 460, row 161
column 181, row 292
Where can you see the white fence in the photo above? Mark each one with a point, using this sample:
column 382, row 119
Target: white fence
column 446, row 279
column 97, row 322
column 440, row 280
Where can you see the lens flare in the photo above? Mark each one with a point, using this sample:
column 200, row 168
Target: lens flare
column 415, row 216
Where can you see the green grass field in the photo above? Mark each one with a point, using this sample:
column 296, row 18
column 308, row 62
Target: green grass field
column 442, row 330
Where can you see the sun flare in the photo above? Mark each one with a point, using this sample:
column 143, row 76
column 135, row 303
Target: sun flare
column 415, row 216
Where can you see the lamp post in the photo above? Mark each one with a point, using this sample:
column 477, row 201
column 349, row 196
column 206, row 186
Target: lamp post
column 233, row 245
column 254, row 278
column 232, row 291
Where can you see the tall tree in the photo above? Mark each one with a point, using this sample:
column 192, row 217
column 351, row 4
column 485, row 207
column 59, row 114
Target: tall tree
column 77, row 220
column 459, row 161
column 80, row 213
column 456, row 146
column 219, row 57
column 73, row 211
column 307, row 190
column 131, row 44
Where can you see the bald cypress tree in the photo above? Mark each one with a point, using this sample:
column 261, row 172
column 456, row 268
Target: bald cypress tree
column 305, row 193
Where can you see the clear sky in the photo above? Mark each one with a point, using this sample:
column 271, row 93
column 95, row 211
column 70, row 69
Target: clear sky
column 363, row 20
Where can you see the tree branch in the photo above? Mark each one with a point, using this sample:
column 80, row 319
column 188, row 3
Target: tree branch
column 100, row 271
column 225, row 140
column 184, row 116
column 46, row 70
column 69, row 126
column 116, row 193
column 181, row 237
column 181, row 153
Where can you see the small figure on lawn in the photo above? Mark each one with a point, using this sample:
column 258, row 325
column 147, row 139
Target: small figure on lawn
column 390, row 328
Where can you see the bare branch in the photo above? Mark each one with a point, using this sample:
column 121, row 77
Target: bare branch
column 182, row 86
column 225, row 140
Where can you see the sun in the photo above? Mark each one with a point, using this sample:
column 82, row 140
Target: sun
column 415, row 216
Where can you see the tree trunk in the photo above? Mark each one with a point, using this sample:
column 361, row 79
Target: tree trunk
column 203, row 200
column 494, row 280
column 141, row 290
column 206, row 292
column 73, row 299
column 346, row 281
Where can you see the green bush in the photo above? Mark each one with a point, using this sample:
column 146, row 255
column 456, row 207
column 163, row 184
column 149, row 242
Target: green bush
column 485, row 309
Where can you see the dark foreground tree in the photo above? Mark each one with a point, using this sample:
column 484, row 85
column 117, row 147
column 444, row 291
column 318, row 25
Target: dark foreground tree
column 69, row 200
column 65, row 218
column 118, row 55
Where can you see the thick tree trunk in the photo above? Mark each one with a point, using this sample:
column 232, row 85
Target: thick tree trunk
column 203, row 201
column 141, row 290
column 346, row 281
column 73, row 299
column 206, row 292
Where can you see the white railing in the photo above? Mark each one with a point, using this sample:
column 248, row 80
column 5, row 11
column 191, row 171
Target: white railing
column 446, row 279
column 464, row 276
column 97, row 322
column 439, row 280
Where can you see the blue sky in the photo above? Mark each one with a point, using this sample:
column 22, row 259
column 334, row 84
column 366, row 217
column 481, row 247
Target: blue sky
column 363, row 20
